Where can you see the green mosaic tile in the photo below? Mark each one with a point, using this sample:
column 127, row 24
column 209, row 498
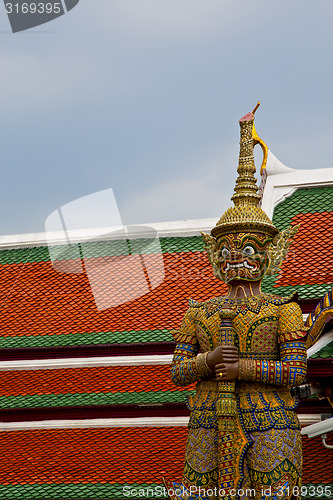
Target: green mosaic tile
column 22, row 255
column 81, row 339
column 325, row 353
column 303, row 200
column 105, row 491
column 80, row 491
column 100, row 398
column 182, row 244
column 304, row 291
column 102, row 249
column 267, row 285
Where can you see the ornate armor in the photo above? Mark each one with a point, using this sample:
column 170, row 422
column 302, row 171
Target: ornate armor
column 270, row 336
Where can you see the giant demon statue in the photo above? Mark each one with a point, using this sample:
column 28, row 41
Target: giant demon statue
column 245, row 350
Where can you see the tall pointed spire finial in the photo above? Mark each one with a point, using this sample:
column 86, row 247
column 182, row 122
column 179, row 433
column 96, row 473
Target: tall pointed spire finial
column 246, row 187
column 246, row 215
column 256, row 107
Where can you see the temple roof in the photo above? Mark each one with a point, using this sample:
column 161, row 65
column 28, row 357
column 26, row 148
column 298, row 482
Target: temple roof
column 307, row 268
column 44, row 308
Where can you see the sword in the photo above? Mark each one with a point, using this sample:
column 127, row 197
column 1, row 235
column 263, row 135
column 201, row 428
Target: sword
column 226, row 412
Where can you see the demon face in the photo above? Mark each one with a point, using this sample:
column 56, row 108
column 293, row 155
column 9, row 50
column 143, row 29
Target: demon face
column 243, row 256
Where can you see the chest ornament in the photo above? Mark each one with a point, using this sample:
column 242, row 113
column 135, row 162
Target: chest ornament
column 239, row 306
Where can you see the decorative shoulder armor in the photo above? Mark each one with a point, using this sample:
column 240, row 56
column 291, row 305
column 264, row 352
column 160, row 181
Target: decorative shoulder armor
column 290, row 336
column 291, row 324
column 279, row 301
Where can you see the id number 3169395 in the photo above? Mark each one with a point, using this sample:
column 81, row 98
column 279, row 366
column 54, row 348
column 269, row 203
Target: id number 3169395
column 33, row 8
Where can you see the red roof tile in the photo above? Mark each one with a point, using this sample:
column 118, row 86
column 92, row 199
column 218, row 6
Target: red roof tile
column 317, row 460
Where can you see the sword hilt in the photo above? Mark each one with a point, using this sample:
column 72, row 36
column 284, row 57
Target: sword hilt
column 226, row 404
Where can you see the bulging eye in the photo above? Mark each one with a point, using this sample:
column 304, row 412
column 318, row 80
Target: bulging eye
column 248, row 250
column 225, row 253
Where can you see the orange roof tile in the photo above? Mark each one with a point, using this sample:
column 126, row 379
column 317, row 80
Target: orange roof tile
column 87, row 380
column 40, row 301
column 310, row 256
column 92, row 455
column 116, row 455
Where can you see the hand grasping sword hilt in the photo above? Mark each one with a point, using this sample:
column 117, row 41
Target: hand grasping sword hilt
column 226, row 405
column 226, row 332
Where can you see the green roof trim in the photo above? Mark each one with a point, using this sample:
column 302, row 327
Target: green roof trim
column 94, row 398
column 81, row 339
column 80, row 491
column 23, row 255
column 325, row 353
column 116, row 491
column 303, row 201
column 102, row 249
column 182, row 244
column 304, row 291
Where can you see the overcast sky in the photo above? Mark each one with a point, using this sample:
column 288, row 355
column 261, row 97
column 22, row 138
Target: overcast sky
column 144, row 97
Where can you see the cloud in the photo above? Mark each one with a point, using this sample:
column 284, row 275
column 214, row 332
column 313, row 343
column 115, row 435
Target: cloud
column 173, row 18
column 32, row 82
column 204, row 193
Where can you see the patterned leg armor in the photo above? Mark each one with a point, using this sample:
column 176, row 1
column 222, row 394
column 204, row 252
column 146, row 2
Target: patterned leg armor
column 275, row 464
